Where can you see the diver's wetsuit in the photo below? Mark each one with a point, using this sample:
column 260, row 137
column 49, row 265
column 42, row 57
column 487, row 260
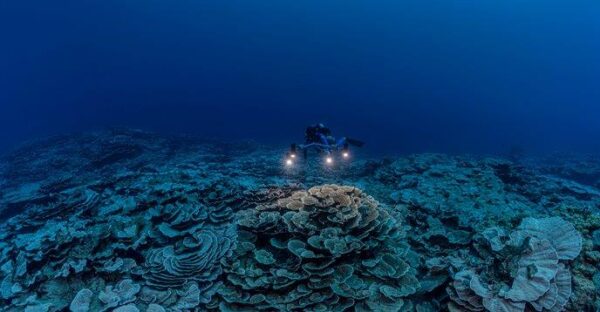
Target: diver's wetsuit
column 317, row 134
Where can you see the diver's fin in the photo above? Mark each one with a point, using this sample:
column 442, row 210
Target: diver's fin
column 355, row 142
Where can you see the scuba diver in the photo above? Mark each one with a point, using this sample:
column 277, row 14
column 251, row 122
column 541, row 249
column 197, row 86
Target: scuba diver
column 319, row 138
column 318, row 134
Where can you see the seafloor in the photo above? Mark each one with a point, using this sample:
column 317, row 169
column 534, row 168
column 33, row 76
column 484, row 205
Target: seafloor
column 124, row 220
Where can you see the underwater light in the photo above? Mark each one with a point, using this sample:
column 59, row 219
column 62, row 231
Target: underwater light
column 293, row 155
column 289, row 162
column 345, row 154
column 329, row 160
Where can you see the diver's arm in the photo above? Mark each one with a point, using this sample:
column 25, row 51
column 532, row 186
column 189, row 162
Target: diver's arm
column 324, row 139
column 341, row 142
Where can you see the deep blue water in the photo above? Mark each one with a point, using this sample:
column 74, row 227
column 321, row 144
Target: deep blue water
column 406, row 76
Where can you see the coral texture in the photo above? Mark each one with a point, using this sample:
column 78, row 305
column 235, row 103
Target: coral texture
column 521, row 270
column 127, row 220
column 329, row 248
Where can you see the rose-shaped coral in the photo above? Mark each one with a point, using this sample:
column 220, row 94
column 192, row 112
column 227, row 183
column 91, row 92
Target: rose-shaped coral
column 329, row 248
column 524, row 270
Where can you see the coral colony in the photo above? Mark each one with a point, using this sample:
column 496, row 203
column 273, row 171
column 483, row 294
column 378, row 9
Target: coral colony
column 127, row 221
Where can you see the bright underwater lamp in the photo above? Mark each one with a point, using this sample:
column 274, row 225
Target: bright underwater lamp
column 345, row 154
column 289, row 162
column 329, row 160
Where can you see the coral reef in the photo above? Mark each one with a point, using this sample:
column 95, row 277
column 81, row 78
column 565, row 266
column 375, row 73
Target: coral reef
column 523, row 269
column 124, row 220
column 328, row 248
column 583, row 168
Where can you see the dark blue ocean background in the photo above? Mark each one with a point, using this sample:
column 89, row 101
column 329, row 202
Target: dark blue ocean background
column 405, row 76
